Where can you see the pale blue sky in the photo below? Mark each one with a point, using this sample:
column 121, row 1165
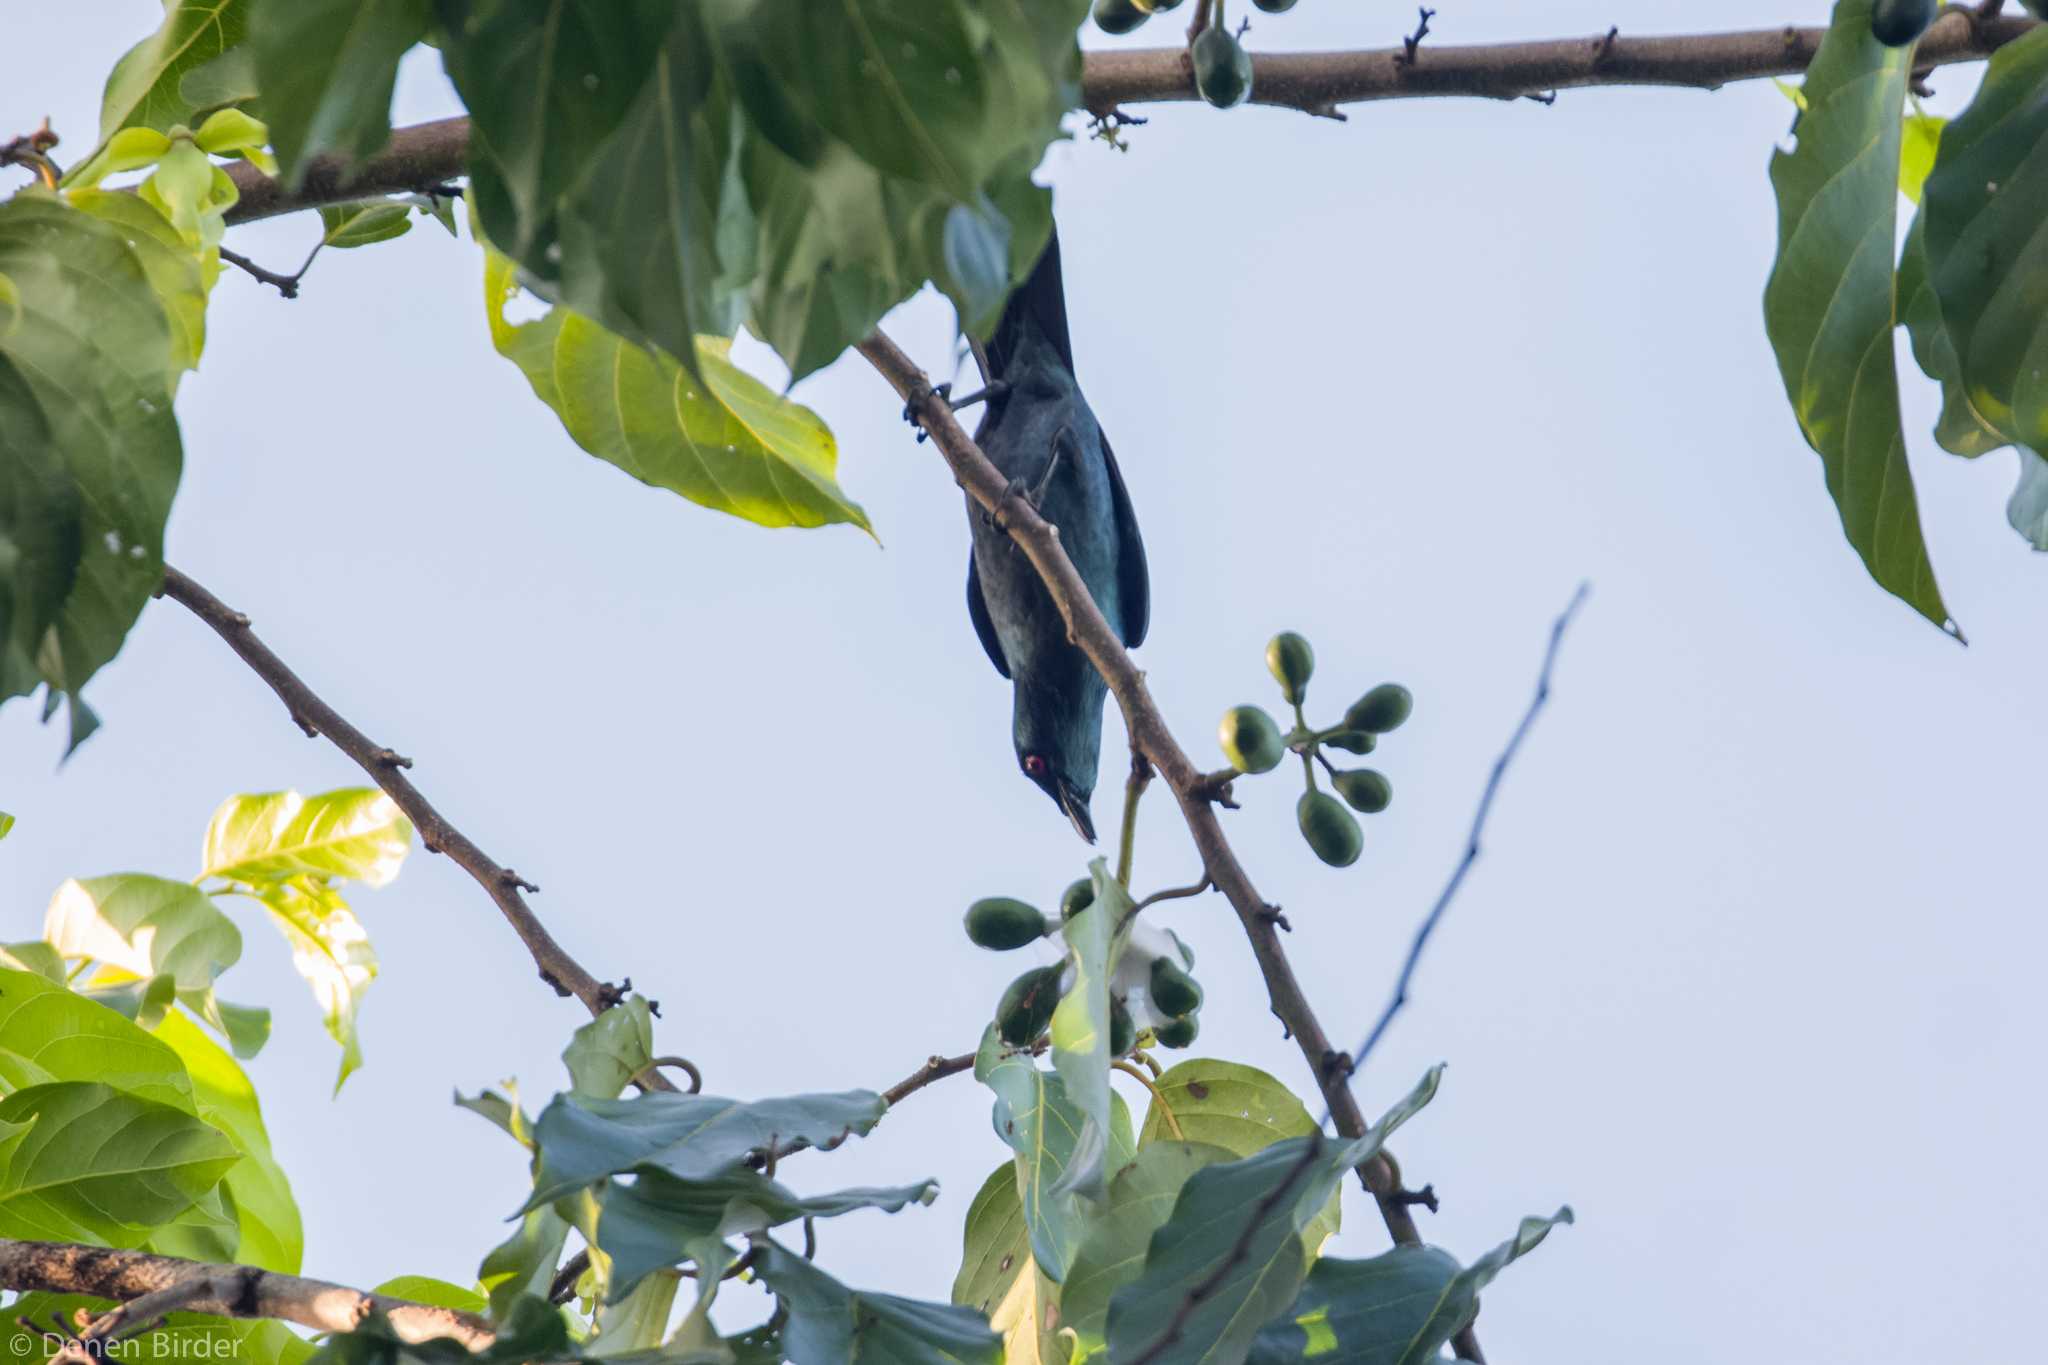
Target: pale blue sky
column 1747, row 975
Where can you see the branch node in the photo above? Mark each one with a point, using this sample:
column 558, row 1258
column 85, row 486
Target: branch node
column 1413, row 42
column 507, row 877
column 1270, row 915
column 1426, row 1196
column 391, row 758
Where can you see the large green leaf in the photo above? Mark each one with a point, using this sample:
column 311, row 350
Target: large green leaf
column 96, row 1164
column 1234, row 1252
column 330, row 949
column 692, row 1137
column 1399, row 1308
column 145, row 925
column 144, row 89
column 524, row 1263
column 1961, row 430
column 725, row 441
column 49, row 1034
column 1829, row 305
column 1080, row 1027
column 264, row 1209
column 994, row 1242
column 653, row 1221
column 89, row 450
column 830, row 1324
column 1141, row 1198
column 326, row 69
column 1238, row 1108
column 354, row 832
column 1043, row 1127
column 1984, row 204
column 180, row 276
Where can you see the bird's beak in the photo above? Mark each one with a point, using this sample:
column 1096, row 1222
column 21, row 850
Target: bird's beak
column 1076, row 807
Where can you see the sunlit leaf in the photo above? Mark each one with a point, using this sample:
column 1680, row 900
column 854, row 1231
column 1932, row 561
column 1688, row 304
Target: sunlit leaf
column 144, row 925
column 48, row 1034
column 354, row 832
column 1080, row 1027
column 145, row 88
column 330, row 949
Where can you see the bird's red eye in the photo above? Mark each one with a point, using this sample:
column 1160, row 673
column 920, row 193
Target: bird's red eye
column 1035, row 764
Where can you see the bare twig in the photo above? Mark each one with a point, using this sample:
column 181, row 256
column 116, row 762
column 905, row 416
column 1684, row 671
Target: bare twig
column 286, row 285
column 1493, row 780
column 384, row 767
column 421, row 158
column 936, row 1069
column 148, row 1286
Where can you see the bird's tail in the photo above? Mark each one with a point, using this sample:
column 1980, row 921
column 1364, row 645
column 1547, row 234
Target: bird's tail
column 1038, row 307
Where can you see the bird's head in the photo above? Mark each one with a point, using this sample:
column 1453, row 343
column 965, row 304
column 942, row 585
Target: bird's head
column 1061, row 787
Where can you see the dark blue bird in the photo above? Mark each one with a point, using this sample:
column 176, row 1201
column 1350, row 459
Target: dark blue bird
column 1039, row 431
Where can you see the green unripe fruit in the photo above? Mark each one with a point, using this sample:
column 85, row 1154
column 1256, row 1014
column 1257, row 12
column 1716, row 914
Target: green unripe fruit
column 1898, row 22
column 1250, row 740
column 1363, row 789
column 1330, row 830
column 1123, row 1030
column 1292, row 662
column 1380, row 710
column 1001, row 923
column 1223, row 69
column 1353, row 741
column 1162, row 6
column 1077, row 898
column 1177, row 1032
column 1274, row 6
column 1119, row 16
column 1028, row 1004
column 1173, row 990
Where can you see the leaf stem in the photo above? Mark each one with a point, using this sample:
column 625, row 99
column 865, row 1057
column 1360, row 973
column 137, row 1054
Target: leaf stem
column 1165, row 1109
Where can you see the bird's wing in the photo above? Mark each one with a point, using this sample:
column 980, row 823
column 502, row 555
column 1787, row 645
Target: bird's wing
column 1133, row 580
column 977, row 611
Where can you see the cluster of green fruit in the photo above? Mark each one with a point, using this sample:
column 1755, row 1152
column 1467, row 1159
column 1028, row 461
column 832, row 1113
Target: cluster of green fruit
column 1223, row 69
column 1254, row 744
column 1898, row 22
column 1151, row 979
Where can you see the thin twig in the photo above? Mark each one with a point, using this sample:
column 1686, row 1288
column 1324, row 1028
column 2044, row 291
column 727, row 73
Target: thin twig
column 421, row 157
column 1134, row 791
column 149, row 1286
column 384, row 767
column 1493, row 780
column 935, row 1069
column 287, row 285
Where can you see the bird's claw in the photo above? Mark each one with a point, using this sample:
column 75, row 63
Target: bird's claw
column 944, row 392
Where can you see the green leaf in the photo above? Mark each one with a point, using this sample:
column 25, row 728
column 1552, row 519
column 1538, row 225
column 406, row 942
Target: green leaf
column 1919, row 144
column 605, row 1054
column 503, row 1111
column 692, row 1137
column 1234, row 1252
column 1080, row 1027
column 1961, row 430
column 265, row 1211
column 102, row 1165
column 1399, row 1308
column 1043, row 1126
column 1829, row 306
column 830, row 1324
column 432, row 1292
column 6, row 824
column 653, row 1221
column 89, row 450
column 2028, row 508
column 1238, row 1108
column 142, row 999
column 48, row 1034
column 144, row 925
column 524, row 1263
column 354, row 832
column 331, row 951
column 145, row 88
column 637, row 1321
column 36, row 956
column 726, row 442
column 246, row 1027
column 326, row 69
column 364, row 223
column 180, row 276
column 1141, row 1198
column 1982, row 209
column 995, row 1242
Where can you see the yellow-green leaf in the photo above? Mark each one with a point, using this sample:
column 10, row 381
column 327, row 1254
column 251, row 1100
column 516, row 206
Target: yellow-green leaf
column 354, row 832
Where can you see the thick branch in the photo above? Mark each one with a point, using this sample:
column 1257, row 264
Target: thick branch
column 429, row 154
column 233, row 1291
column 1039, row 539
column 385, row 768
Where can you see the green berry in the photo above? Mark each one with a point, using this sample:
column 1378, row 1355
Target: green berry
column 1223, row 69
column 1292, row 663
column 1028, row 1004
column 1077, row 898
column 1896, row 23
column 1353, row 741
column 1177, row 1032
column 1123, row 1030
column 1331, row 830
column 1364, row 789
column 1250, row 740
column 1173, row 990
column 1001, row 923
column 1380, row 710
column 1120, row 16
column 1274, row 6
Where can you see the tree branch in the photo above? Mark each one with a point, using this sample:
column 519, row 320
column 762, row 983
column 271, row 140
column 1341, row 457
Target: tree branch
column 428, row 154
column 148, row 1286
column 1039, row 539
column 317, row 718
column 935, row 1069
